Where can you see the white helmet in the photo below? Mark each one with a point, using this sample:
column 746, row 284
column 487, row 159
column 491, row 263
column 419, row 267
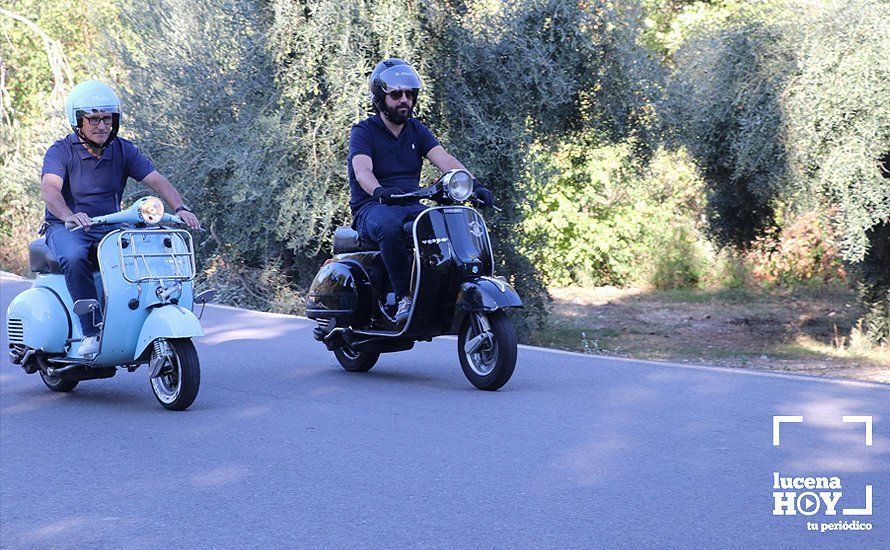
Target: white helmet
column 91, row 97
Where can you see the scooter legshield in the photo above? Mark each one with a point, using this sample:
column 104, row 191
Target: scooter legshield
column 169, row 321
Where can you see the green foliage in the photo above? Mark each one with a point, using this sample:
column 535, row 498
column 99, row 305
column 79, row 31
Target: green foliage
column 782, row 103
column 44, row 46
column 838, row 117
column 724, row 106
column 682, row 261
column 601, row 216
column 510, row 75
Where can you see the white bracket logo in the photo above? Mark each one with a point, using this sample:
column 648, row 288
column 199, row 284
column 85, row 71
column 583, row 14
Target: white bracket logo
column 808, row 503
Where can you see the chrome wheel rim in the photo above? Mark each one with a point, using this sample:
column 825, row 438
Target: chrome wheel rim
column 350, row 353
column 52, row 380
column 168, row 383
column 483, row 360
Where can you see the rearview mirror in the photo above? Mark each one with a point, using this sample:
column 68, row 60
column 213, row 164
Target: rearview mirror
column 204, row 297
column 85, row 307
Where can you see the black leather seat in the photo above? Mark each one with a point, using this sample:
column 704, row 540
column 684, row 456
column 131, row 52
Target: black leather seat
column 41, row 258
column 346, row 239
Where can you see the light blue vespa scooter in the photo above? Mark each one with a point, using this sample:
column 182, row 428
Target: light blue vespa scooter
column 146, row 298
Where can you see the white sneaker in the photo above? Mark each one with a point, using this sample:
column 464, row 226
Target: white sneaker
column 88, row 346
column 404, row 309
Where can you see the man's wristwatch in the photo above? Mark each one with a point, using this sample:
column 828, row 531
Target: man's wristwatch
column 183, row 207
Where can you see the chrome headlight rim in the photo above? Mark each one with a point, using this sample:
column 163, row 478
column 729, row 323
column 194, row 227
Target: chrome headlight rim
column 458, row 188
column 151, row 210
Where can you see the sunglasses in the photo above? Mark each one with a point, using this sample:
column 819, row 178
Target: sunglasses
column 397, row 94
column 95, row 120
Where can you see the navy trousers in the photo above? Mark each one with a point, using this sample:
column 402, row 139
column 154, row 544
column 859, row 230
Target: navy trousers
column 382, row 224
column 72, row 250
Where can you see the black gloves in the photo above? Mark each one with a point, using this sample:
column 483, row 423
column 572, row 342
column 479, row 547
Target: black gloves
column 483, row 193
column 382, row 194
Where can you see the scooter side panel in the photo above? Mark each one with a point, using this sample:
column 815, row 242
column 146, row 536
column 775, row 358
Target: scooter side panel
column 168, row 321
column 56, row 283
column 45, row 324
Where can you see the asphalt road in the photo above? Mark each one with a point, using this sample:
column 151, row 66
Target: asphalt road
column 284, row 449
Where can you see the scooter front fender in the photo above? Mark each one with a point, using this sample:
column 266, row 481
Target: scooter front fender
column 167, row 321
column 483, row 294
column 487, row 294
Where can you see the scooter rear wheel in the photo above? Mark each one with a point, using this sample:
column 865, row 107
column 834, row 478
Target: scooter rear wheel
column 355, row 361
column 57, row 383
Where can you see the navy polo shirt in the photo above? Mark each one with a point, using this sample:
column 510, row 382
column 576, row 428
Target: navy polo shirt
column 93, row 185
column 397, row 160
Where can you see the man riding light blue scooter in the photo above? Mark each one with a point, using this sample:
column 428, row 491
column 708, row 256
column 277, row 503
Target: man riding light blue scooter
column 75, row 324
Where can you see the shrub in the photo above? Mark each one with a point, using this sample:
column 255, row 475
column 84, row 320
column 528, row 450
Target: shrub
column 602, row 216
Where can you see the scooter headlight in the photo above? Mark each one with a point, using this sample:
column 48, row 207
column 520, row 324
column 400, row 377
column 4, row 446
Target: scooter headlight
column 458, row 185
column 151, row 210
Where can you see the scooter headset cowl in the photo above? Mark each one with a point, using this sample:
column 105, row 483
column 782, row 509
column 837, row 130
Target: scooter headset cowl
column 391, row 75
column 91, row 97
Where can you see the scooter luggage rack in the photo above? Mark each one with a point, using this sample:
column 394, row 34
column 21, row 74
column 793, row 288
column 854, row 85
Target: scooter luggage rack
column 173, row 258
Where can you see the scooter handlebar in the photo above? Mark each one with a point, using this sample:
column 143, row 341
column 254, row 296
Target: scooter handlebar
column 167, row 218
column 398, row 199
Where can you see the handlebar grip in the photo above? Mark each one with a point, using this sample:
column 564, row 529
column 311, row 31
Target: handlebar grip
column 73, row 226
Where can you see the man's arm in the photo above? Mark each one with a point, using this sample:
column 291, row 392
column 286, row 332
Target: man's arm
column 51, row 190
column 162, row 186
column 363, row 168
column 444, row 161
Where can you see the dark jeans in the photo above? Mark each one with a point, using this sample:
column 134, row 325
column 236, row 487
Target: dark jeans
column 72, row 249
column 382, row 224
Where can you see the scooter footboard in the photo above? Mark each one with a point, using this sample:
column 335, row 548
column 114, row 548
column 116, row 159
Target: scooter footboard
column 169, row 321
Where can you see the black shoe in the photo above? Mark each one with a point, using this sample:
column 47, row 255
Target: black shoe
column 404, row 309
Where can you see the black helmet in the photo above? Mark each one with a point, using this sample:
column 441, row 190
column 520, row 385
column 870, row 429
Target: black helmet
column 390, row 75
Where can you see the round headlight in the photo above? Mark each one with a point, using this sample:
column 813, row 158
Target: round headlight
column 151, row 210
column 458, row 185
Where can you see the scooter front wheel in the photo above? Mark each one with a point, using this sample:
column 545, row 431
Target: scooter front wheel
column 355, row 361
column 177, row 382
column 487, row 349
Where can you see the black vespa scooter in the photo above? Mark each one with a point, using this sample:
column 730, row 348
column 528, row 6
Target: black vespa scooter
column 453, row 284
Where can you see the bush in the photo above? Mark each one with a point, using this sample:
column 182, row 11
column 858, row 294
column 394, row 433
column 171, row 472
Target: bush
column 602, row 216
column 682, row 260
column 804, row 251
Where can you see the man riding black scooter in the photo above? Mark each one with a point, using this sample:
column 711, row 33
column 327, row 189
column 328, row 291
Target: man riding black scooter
column 437, row 260
column 386, row 153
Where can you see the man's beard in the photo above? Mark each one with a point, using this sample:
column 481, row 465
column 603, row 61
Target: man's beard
column 396, row 117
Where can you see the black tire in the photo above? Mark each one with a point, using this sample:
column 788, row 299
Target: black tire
column 499, row 356
column 176, row 386
column 355, row 361
column 57, row 383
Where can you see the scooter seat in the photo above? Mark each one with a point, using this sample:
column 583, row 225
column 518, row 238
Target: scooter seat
column 346, row 239
column 41, row 258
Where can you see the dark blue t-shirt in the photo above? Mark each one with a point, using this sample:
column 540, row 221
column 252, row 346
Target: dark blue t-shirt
column 93, row 185
column 397, row 160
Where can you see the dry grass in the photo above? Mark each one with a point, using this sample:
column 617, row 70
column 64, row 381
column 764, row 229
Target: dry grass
column 804, row 330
